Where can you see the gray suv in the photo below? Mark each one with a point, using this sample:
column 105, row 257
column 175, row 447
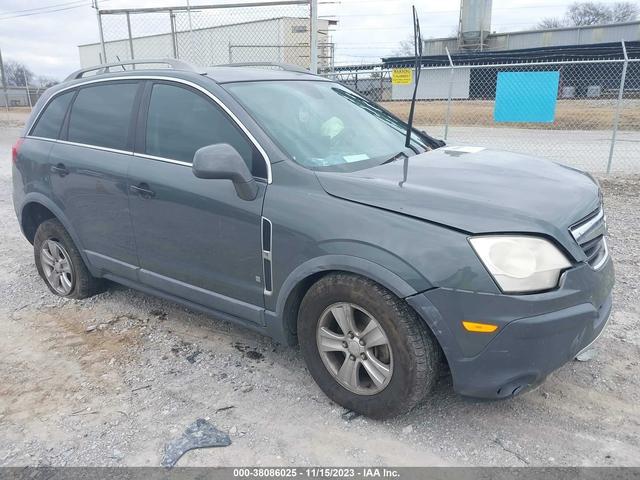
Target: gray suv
column 291, row 205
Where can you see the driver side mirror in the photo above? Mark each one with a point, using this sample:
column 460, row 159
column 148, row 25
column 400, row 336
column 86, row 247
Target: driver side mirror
column 222, row 161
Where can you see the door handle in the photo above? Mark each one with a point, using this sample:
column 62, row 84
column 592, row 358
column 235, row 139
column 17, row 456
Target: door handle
column 60, row 169
column 143, row 190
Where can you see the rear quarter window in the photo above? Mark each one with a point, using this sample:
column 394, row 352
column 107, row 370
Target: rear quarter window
column 50, row 121
column 101, row 115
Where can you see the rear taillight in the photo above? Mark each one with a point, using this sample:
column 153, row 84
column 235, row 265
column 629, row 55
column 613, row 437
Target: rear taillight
column 15, row 150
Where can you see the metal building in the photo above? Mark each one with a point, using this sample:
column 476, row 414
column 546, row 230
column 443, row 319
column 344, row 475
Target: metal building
column 283, row 39
column 556, row 37
column 586, row 77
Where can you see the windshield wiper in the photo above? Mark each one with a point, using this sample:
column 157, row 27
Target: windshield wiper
column 417, row 38
column 397, row 156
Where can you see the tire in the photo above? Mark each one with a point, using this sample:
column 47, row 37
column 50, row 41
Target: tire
column 77, row 283
column 414, row 359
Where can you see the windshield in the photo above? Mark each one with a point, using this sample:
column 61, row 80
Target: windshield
column 322, row 125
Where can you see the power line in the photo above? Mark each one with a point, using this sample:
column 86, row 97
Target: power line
column 47, row 10
column 42, row 7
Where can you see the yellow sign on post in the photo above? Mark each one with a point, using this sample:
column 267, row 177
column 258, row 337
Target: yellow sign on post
column 402, row 76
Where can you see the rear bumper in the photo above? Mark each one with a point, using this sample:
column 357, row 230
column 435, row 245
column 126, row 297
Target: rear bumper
column 537, row 333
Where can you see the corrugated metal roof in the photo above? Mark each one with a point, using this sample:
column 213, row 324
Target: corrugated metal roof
column 553, row 37
column 609, row 51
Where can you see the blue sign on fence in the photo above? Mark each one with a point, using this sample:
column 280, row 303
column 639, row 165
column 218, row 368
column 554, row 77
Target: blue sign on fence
column 526, row 96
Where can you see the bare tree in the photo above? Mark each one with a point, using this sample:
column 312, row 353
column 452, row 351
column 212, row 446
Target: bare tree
column 42, row 81
column 406, row 48
column 18, row 74
column 581, row 14
column 550, row 22
column 624, row 12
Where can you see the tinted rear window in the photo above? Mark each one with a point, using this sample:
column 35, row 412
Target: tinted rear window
column 101, row 115
column 49, row 123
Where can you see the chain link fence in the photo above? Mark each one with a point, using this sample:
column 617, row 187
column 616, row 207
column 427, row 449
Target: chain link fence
column 16, row 104
column 595, row 128
column 208, row 35
column 19, row 97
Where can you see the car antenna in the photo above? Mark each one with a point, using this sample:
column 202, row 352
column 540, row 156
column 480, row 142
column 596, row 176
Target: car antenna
column 417, row 39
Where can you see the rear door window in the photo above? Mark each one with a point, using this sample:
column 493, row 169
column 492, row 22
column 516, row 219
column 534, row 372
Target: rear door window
column 180, row 121
column 50, row 122
column 101, row 115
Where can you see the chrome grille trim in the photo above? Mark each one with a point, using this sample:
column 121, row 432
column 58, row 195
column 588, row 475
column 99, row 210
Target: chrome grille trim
column 603, row 257
column 589, row 234
column 590, row 227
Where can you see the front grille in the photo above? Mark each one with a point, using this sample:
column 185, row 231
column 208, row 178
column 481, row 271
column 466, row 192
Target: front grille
column 590, row 234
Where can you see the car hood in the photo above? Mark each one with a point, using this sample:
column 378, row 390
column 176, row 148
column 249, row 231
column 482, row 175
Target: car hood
column 475, row 190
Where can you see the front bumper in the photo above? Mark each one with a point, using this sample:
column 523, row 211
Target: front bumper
column 537, row 334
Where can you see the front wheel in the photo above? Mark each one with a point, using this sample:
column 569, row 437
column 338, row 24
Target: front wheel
column 365, row 347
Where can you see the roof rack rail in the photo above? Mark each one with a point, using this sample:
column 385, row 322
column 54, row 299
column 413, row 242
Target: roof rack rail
column 106, row 68
column 283, row 66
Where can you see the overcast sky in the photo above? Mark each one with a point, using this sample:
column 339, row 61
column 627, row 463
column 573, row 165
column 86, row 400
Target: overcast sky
column 368, row 29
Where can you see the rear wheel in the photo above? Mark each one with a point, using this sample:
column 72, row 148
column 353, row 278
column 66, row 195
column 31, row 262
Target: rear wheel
column 59, row 262
column 365, row 347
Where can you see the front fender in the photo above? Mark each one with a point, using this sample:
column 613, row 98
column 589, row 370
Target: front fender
column 277, row 321
column 343, row 263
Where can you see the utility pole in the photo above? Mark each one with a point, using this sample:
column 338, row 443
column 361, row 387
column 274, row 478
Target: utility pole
column 104, row 50
column 4, row 83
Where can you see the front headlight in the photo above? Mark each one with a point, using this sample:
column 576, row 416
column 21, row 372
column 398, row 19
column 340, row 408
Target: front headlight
column 519, row 263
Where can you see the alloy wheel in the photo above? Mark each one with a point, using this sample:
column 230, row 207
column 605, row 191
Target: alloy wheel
column 354, row 348
column 57, row 267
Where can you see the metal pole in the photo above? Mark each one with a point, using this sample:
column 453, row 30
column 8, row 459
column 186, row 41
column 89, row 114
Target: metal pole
column 191, row 44
column 130, row 39
column 333, row 57
column 100, row 31
column 4, row 83
column 26, row 87
column 313, row 5
column 616, row 119
column 172, row 20
column 448, row 115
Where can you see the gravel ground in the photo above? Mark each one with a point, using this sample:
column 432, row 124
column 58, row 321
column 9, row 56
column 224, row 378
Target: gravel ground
column 110, row 380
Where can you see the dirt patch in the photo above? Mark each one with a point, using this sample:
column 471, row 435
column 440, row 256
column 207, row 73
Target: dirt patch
column 62, row 360
column 14, row 117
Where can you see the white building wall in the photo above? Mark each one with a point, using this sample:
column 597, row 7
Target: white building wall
column 434, row 85
column 272, row 40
